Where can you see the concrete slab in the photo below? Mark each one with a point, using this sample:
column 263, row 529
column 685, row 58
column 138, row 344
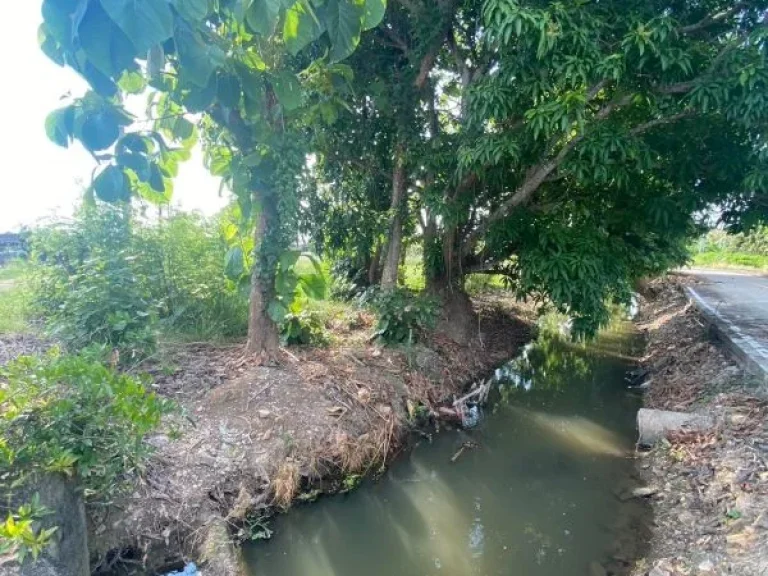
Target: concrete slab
column 736, row 305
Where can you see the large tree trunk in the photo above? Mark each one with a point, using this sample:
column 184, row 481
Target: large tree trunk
column 457, row 319
column 395, row 244
column 263, row 337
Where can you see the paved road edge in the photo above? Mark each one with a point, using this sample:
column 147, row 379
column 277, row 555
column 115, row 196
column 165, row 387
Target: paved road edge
column 751, row 353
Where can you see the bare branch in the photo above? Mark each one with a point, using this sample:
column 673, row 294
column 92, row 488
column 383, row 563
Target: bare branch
column 711, row 19
column 641, row 128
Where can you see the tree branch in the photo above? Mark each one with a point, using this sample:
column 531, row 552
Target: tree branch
column 711, row 19
column 641, row 128
column 535, row 177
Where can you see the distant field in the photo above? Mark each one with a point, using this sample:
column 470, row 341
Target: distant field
column 730, row 260
column 14, row 300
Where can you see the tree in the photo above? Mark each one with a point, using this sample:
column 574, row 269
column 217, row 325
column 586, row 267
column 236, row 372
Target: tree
column 256, row 71
column 569, row 145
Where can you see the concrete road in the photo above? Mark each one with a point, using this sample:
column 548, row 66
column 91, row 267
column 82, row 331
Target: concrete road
column 737, row 305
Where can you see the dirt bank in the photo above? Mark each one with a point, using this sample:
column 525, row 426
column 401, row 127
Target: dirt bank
column 252, row 439
column 711, row 508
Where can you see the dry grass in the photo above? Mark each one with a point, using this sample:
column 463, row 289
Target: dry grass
column 285, row 484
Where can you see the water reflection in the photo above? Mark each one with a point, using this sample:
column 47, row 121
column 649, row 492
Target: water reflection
column 534, row 498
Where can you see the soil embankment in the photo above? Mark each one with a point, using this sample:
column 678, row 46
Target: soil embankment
column 250, row 439
column 710, row 489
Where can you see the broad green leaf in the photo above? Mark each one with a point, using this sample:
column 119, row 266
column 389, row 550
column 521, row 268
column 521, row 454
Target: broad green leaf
column 193, row 10
column 234, row 263
column 111, row 185
column 277, row 311
column 132, row 83
column 133, row 143
column 344, row 22
column 374, row 13
column 49, row 45
column 287, row 89
column 300, row 28
column 156, row 180
column 229, row 90
column 57, row 15
column 145, row 22
column 263, row 15
column 97, row 131
column 183, row 129
column 105, row 45
column 199, row 99
column 198, row 60
column 136, row 162
column 58, row 126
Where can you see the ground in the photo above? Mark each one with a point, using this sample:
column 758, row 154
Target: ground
column 248, row 440
column 711, row 488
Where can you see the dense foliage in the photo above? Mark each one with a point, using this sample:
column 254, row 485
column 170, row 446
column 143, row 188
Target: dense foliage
column 567, row 145
column 106, row 278
column 68, row 415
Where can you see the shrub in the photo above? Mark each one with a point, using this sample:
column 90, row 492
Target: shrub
column 403, row 315
column 71, row 415
column 303, row 328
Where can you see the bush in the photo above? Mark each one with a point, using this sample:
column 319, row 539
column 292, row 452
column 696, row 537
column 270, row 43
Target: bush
column 108, row 278
column 303, row 328
column 71, row 415
column 403, row 315
column 86, row 285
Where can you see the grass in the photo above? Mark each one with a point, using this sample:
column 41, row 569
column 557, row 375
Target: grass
column 14, row 309
column 726, row 259
column 13, row 270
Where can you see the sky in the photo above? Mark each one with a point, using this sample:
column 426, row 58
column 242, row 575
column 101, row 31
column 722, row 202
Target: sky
column 40, row 179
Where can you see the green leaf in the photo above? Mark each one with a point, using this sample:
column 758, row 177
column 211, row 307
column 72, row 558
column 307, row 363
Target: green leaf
column 198, row 60
column 263, row 15
column 343, row 20
column 132, row 83
column 234, row 263
column 105, row 45
column 300, row 27
column 287, row 89
column 58, row 126
column 199, row 100
column 374, row 13
column 228, row 90
column 277, row 311
column 133, row 143
column 57, row 15
column 98, row 131
column 193, row 10
column 183, row 129
column 136, row 162
column 146, row 22
column 49, row 46
column 111, row 185
column 156, row 181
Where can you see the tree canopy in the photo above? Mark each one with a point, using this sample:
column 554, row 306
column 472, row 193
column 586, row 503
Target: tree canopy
column 568, row 145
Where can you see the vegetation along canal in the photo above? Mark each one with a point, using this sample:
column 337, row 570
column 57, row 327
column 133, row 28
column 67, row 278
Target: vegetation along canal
column 537, row 488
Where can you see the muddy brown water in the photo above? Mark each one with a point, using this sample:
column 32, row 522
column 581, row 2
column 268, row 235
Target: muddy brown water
column 535, row 491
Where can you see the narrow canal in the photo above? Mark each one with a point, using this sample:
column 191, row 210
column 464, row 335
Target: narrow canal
column 537, row 489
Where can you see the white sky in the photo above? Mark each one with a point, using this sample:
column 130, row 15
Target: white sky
column 40, row 179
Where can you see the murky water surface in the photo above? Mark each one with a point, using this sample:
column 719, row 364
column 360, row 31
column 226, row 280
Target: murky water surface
column 534, row 492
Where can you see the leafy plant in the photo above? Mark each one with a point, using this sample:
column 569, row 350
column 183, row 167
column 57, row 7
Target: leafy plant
column 403, row 315
column 303, row 328
column 66, row 414
column 20, row 534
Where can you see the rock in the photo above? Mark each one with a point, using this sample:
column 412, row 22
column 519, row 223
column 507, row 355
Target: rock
column 596, row 569
column 706, row 567
column 264, row 413
column 657, row 571
column 644, row 492
column 654, row 425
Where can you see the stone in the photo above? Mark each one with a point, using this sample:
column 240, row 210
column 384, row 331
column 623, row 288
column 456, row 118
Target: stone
column 264, row 413
column 654, row 425
column 706, row 567
column 644, row 492
column 68, row 553
column 657, row 571
column 596, row 569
